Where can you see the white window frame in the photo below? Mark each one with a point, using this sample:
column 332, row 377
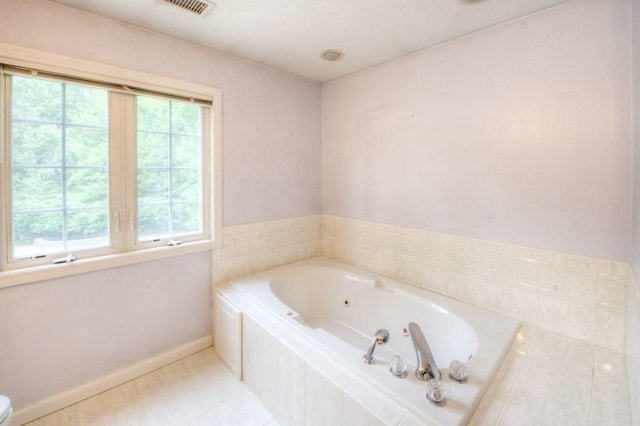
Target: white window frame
column 127, row 252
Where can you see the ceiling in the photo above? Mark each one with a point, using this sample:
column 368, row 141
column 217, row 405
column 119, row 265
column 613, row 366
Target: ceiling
column 290, row 34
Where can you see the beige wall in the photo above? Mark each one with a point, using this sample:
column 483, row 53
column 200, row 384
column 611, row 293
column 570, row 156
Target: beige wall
column 270, row 120
column 60, row 334
column 63, row 333
column 518, row 134
column 633, row 297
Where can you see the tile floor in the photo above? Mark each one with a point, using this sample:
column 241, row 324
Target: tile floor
column 546, row 379
column 197, row 390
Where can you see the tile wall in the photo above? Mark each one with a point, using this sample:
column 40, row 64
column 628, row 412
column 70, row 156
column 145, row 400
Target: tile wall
column 259, row 246
column 633, row 348
column 576, row 296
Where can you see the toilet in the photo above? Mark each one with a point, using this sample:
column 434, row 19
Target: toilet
column 5, row 411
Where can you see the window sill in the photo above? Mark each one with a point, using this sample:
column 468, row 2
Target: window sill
column 47, row 272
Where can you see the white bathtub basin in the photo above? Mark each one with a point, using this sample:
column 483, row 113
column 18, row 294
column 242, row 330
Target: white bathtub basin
column 341, row 307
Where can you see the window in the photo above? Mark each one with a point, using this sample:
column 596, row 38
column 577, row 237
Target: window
column 59, row 167
column 93, row 168
column 169, row 162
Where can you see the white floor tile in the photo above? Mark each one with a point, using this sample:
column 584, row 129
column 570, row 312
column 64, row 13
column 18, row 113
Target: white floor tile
column 197, row 390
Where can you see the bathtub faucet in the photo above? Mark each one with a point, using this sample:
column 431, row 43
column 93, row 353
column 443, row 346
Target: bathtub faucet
column 381, row 337
column 426, row 365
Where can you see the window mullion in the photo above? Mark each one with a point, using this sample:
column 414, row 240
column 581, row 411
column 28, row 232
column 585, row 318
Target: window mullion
column 118, row 170
column 129, row 164
column 65, row 217
column 170, row 166
column 5, row 193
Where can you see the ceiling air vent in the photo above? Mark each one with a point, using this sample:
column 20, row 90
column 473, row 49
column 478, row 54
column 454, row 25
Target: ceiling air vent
column 199, row 7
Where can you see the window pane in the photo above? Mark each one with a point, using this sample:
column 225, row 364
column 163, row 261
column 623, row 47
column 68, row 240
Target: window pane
column 185, row 118
column 36, row 234
column 86, row 106
column 153, row 185
column 35, row 99
column 36, row 189
column 186, row 218
column 169, row 158
column 57, row 205
column 185, row 151
column 153, row 114
column 87, row 228
column 153, row 149
column 87, row 146
column 185, row 185
column 153, row 222
column 87, row 188
column 36, row 144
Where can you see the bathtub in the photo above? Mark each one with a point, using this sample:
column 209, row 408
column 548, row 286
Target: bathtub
column 339, row 308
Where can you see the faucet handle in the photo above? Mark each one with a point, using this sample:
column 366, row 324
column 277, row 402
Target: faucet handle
column 435, row 392
column 398, row 366
column 458, row 371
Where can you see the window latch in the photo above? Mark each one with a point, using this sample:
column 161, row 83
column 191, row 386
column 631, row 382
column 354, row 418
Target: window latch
column 172, row 243
column 67, row 259
column 116, row 222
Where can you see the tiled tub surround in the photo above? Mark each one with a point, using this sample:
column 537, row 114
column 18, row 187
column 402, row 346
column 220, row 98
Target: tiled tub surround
column 545, row 379
column 564, row 301
column 577, row 296
column 633, row 347
column 299, row 383
column 259, row 246
column 312, row 293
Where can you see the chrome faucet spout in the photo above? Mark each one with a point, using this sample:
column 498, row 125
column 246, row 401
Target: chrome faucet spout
column 381, row 337
column 426, row 365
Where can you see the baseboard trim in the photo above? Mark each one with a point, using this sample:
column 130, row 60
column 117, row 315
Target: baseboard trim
column 64, row 399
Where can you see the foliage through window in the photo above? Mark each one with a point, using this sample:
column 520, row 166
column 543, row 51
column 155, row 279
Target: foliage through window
column 64, row 168
column 169, row 168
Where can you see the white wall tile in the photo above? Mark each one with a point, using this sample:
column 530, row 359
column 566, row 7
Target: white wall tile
column 568, row 318
column 610, row 330
column 524, row 338
column 438, row 250
column 290, row 387
column 576, row 285
column 354, row 414
column 569, row 261
column 495, row 398
column 474, row 264
column 515, row 271
column 610, row 397
column 410, row 272
column 612, row 293
column 613, row 268
column 323, row 400
column 517, row 302
column 554, row 383
column 558, row 291
column 632, row 346
column 372, row 404
column 476, row 291
column 258, row 370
